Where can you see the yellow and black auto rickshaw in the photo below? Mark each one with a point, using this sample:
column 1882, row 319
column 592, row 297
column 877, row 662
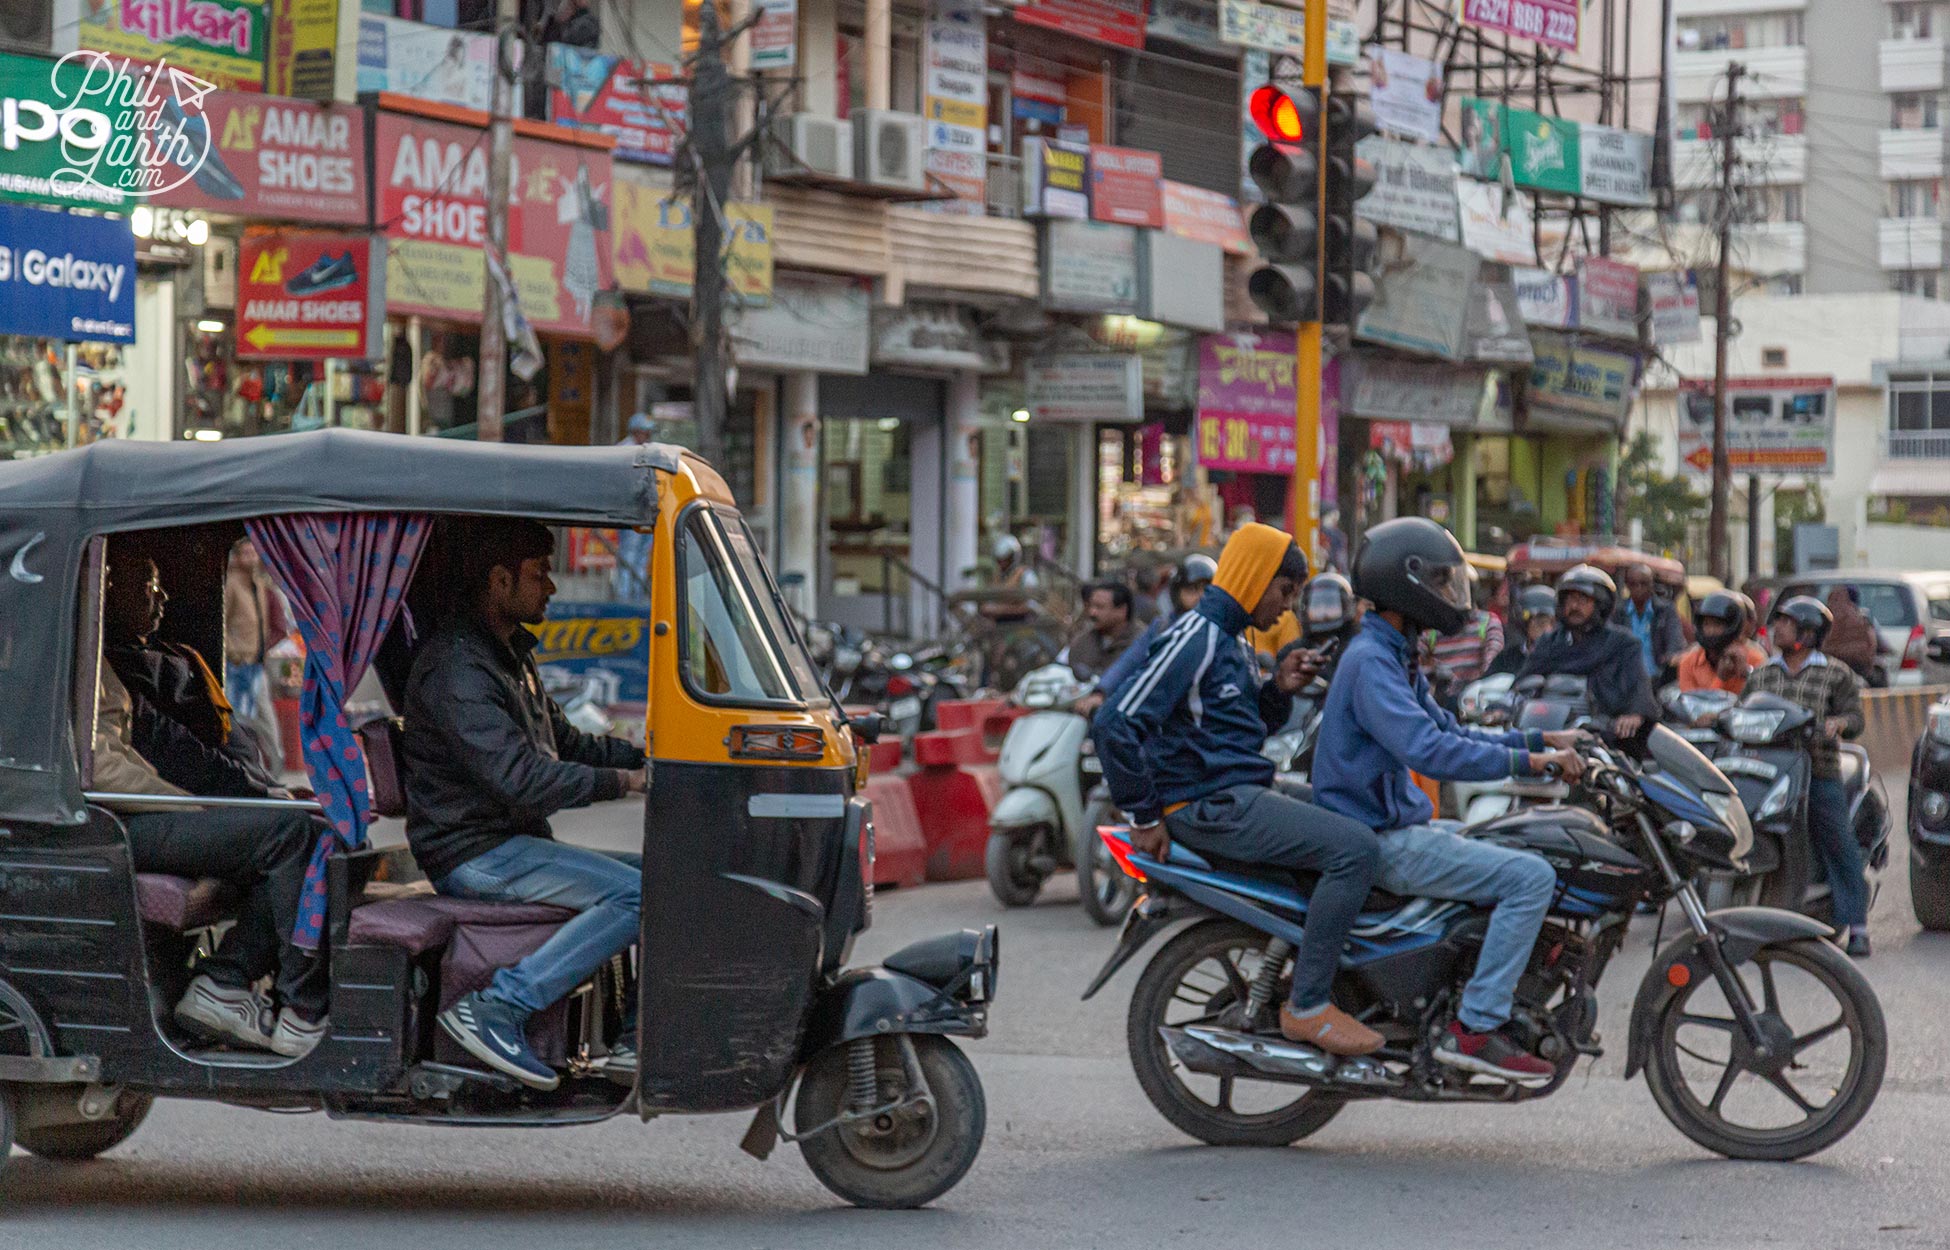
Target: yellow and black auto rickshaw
column 757, row 850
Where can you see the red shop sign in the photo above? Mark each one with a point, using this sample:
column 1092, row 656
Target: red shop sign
column 278, row 158
column 310, row 295
column 1127, row 187
column 1119, row 23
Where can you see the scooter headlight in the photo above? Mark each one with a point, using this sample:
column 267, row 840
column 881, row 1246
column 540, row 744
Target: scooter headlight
column 1775, row 802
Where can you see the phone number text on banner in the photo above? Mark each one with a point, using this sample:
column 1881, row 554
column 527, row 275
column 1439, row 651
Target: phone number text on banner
column 1550, row 22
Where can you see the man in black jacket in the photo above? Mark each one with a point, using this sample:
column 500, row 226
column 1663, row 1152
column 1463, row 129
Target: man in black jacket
column 1608, row 657
column 489, row 757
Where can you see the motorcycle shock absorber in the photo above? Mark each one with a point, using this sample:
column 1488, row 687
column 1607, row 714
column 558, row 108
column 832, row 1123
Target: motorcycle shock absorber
column 862, row 1075
column 1267, row 979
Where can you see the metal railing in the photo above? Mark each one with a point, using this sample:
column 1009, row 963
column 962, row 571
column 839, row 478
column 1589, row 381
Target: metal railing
column 1916, row 445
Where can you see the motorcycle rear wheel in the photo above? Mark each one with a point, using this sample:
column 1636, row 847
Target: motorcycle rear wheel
column 1860, row 1066
column 1201, row 966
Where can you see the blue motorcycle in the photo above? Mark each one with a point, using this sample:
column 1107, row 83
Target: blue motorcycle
column 1757, row 1035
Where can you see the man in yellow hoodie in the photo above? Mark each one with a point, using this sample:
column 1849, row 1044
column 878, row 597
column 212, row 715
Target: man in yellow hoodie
column 1180, row 742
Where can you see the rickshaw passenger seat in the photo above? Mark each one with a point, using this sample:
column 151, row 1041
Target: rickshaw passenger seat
column 181, row 904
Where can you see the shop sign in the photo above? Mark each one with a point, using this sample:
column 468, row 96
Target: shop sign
column 303, row 58
column 1673, row 298
column 81, row 132
column 1056, row 178
column 1193, row 22
column 1092, row 386
column 1422, row 300
column 775, row 36
column 1497, row 334
column 432, row 198
column 656, row 251
column 1497, row 222
column 1543, row 151
column 1578, row 377
column 609, row 641
column 1126, row 187
column 1118, row 23
column 1247, row 403
column 311, row 295
column 1775, row 425
column 1414, row 187
column 820, row 325
column 1090, row 267
column 1406, row 91
column 1608, row 297
column 1036, row 98
column 1205, row 217
column 1383, row 389
column 1244, row 443
column 1553, row 23
column 639, row 104
column 278, row 158
column 220, row 41
column 65, row 276
column 929, row 336
column 955, row 101
column 1283, row 28
column 1556, row 154
column 1546, row 298
column 1616, row 164
column 1481, row 153
column 430, row 63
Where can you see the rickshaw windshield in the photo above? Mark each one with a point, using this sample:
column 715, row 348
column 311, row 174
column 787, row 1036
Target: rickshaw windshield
column 744, row 549
column 730, row 645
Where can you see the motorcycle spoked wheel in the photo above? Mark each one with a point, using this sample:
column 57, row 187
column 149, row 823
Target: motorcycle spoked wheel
column 1107, row 892
column 1705, row 1079
column 1195, row 977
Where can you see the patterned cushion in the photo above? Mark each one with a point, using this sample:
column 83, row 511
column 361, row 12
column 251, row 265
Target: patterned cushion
column 182, row 904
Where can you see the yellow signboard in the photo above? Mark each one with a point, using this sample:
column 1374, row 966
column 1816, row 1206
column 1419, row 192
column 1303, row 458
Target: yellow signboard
column 452, row 279
column 651, row 232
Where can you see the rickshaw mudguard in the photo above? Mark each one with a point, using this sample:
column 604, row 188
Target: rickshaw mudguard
column 871, row 1002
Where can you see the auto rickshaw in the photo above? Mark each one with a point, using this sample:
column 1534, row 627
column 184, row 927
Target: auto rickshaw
column 757, row 848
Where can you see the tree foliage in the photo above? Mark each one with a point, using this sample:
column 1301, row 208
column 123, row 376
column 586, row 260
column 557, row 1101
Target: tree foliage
column 1665, row 506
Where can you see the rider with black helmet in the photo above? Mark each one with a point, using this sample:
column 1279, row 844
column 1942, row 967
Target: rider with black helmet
column 1722, row 657
column 1607, row 656
column 1801, row 672
column 1532, row 615
column 1380, row 723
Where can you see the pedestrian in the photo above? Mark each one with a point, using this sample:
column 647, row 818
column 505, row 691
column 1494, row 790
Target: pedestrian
column 254, row 620
column 1468, row 652
column 1650, row 619
column 1852, row 639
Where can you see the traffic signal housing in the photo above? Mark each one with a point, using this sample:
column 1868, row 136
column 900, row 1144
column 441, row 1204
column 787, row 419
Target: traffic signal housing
column 1286, row 167
column 1348, row 244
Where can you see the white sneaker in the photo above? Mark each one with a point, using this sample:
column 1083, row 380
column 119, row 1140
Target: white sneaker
column 295, row 1037
column 226, row 1013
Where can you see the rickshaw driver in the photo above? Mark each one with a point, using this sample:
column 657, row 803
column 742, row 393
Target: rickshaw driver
column 488, row 758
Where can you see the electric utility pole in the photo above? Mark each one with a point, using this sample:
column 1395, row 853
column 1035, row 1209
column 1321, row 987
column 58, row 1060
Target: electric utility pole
column 710, row 93
column 491, row 389
column 1719, row 553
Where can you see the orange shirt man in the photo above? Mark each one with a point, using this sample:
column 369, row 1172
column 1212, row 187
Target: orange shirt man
column 1697, row 671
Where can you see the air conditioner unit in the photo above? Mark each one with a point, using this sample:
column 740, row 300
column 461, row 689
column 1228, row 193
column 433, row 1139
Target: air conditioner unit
column 806, row 145
column 890, row 149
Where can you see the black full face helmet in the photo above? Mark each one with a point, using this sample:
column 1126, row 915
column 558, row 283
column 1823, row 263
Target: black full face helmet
column 1723, row 610
column 1811, row 618
column 1327, row 608
column 1413, row 566
column 1594, row 582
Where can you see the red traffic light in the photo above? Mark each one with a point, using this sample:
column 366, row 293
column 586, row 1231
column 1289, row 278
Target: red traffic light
column 1280, row 117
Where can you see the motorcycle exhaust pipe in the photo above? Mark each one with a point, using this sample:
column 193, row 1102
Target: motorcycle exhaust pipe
column 1222, row 1052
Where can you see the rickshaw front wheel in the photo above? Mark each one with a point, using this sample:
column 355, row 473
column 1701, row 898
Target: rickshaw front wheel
column 912, row 1148
column 73, row 1143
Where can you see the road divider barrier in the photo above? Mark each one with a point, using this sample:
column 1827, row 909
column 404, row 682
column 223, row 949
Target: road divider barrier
column 1892, row 721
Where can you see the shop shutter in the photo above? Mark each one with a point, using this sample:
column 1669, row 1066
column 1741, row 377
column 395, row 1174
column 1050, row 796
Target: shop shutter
column 1185, row 106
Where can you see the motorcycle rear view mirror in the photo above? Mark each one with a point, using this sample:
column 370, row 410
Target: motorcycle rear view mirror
column 866, row 726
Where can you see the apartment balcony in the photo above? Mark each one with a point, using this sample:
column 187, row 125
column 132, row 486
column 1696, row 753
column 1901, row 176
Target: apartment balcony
column 1728, row 8
column 1910, row 242
column 1909, row 445
column 1911, row 64
column 1772, row 73
column 1771, row 159
column 1910, row 154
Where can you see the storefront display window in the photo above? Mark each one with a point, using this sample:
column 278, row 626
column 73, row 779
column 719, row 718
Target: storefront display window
column 1143, row 503
column 225, row 397
column 865, row 477
column 34, row 398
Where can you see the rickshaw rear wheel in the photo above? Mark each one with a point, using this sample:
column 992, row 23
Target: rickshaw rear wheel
column 73, row 1143
column 904, row 1159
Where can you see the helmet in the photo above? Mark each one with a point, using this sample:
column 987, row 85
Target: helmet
column 1413, row 566
column 1533, row 602
column 1751, row 619
column 1193, row 570
column 1006, row 549
column 1590, row 580
column 1725, row 607
column 1810, row 616
column 1327, row 607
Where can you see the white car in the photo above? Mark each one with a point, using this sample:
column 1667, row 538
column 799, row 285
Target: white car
column 1909, row 608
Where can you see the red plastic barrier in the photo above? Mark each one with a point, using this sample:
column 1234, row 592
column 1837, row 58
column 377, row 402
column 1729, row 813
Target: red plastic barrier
column 943, row 747
column 966, row 713
column 900, row 847
column 884, row 756
column 954, row 801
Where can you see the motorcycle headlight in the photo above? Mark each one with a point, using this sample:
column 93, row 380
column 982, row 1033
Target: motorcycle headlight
column 1940, row 724
column 1776, row 800
column 1752, row 725
column 1934, row 809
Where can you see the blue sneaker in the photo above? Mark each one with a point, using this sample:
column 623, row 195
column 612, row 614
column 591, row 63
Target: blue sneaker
column 327, row 273
column 495, row 1035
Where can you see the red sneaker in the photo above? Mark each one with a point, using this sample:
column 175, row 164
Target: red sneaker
column 1492, row 1054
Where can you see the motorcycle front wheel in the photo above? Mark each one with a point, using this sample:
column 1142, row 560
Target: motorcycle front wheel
column 1827, row 1043
column 1194, row 978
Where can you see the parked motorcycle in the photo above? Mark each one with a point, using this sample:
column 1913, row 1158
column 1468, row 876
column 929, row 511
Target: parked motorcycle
column 1046, row 820
column 1741, row 1024
column 903, row 684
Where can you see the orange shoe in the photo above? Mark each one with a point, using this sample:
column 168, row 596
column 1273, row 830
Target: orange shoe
column 1331, row 1029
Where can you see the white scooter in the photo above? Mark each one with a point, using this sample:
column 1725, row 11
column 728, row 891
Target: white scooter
column 1048, row 817
column 1490, row 701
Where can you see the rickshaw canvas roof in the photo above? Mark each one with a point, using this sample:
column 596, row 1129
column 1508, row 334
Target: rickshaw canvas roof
column 52, row 505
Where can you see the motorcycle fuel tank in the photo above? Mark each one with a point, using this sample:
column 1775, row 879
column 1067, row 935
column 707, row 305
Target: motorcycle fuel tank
column 1576, row 844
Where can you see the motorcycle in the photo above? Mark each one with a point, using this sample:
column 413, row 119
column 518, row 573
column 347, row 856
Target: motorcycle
column 1499, row 700
column 1746, row 992
column 1044, row 822
column 904, row 686
column 1291, row 747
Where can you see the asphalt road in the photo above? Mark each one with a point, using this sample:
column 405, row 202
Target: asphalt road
column 1075, row 1156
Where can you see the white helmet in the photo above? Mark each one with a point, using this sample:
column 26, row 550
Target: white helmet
column 1006, row 550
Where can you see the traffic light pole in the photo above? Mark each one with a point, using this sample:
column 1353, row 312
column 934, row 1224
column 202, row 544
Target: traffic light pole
column 1307, row 342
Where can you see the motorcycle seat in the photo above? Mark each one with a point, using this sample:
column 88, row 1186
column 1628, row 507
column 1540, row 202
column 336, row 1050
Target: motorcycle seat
column 1299, row 881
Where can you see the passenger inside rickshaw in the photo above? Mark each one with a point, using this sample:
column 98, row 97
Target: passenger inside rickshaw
column 218, row 888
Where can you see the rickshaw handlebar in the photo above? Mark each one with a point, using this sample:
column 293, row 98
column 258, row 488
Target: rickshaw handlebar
column 111, row 798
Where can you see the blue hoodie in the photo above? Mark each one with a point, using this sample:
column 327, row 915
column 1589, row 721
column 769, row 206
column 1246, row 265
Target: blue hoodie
column 1380, row 722
column 1190, row 722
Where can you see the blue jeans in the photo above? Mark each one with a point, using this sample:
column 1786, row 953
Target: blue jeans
column 1836, row 849
column 607, row 889
column 1434, row 861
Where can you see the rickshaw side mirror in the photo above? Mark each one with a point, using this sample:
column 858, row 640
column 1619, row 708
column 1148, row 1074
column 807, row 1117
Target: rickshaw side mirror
column 866, row 726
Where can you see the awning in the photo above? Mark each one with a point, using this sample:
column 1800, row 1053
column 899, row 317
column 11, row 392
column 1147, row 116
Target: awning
column 1923, row 477
column 1544, row 419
